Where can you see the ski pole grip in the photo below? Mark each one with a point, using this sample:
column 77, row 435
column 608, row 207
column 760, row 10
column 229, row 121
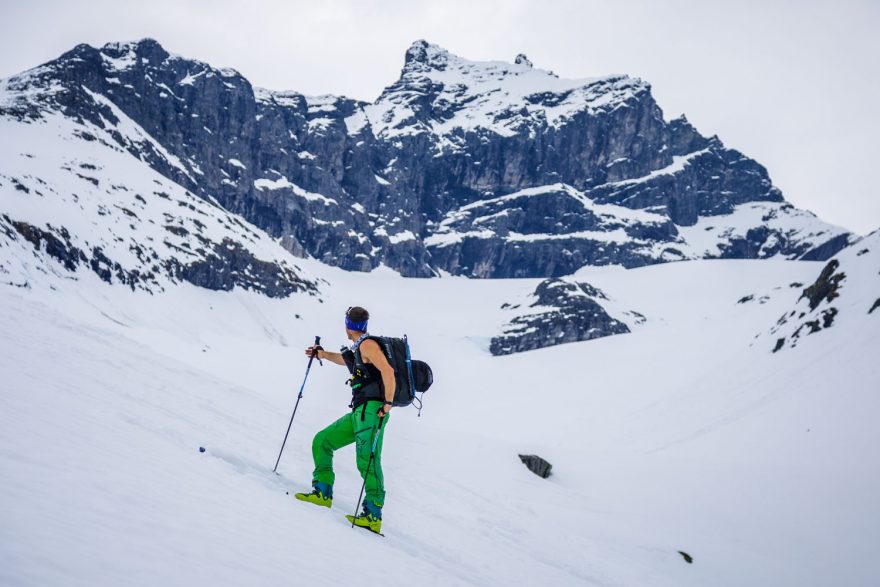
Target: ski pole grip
column 318, row 342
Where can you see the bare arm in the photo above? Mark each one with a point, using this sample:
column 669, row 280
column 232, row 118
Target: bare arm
column 371, row 353
column 327, row 355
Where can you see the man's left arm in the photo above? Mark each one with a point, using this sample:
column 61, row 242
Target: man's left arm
column 371, row 353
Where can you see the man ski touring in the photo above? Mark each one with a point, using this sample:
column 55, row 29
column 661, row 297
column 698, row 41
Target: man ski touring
column 372, row 389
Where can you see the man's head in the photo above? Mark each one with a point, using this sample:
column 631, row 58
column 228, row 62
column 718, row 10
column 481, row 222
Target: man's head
column 356, row 321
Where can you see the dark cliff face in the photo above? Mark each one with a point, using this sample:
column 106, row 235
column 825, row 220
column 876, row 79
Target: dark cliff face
column 414, row 179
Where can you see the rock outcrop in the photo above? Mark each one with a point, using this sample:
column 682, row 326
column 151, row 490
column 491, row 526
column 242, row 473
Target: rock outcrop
column 846, row 288
column 561, row 311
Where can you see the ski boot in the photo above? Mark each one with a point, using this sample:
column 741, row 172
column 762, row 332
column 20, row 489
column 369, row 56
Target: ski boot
column 370, row 518
column 322, row 494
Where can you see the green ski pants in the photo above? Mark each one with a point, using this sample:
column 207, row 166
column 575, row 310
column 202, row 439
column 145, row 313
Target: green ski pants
column 360, row 426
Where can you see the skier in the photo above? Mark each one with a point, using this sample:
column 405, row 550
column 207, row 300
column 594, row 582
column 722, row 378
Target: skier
column 372, row 387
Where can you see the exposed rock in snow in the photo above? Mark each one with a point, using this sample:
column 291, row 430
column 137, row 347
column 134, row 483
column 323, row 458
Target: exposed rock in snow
column 536, row 465
column 562, row 311
column 847, row 287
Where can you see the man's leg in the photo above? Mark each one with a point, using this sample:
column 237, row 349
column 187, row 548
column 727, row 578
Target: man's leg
column 338, row 434
column 365, row 430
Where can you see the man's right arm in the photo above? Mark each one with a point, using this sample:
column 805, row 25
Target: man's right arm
column 327, row 355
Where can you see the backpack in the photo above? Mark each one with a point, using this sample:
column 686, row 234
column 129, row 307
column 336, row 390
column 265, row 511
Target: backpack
column 411, row 376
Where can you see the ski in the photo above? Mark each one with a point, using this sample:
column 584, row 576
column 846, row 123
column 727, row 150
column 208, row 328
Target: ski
column 350, row 518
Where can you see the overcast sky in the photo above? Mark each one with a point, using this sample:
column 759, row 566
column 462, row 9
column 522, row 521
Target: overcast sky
column 793, row 84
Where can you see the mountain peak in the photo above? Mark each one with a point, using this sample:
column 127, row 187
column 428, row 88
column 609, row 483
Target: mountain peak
column 119, row 55
column 146, row 47
column 140, row 44
column 424, row 55
column 128, row 52
column 521, row 59
column 445, row 94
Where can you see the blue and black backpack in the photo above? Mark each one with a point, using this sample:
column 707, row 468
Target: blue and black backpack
column 411, row 376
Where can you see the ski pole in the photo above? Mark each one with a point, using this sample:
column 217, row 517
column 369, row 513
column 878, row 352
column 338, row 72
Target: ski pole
column 299, row 397
column 370, row 462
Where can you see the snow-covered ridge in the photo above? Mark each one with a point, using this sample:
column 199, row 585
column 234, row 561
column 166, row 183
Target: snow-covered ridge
column 679, row 162
column 491, row 90
column 73, row 198
column 282, row 183
column 40, row 85
column 281, row 98
column 571, row 220
column 121, row 56
column 495, row 96
column 22, row 90
column 609, row 210
column 485, row 215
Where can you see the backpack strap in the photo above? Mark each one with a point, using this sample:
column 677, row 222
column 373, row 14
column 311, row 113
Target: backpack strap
column 412, row 381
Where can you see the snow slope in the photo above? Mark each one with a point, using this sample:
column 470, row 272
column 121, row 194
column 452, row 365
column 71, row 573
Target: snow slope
column 68, row 182
column 678, row 436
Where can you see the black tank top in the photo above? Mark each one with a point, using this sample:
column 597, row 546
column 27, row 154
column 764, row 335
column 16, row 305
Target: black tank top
column 366, row 381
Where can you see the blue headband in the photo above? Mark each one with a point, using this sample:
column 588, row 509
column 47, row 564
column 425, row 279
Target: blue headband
column 356, row 326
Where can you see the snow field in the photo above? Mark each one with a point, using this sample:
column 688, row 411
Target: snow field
column 679, row 436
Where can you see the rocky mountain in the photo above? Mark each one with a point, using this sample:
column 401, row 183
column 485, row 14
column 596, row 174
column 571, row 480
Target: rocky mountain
column 482, row 169
column 847, row 287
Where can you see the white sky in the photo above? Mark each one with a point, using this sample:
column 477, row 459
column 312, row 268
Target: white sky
column 793, row 84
